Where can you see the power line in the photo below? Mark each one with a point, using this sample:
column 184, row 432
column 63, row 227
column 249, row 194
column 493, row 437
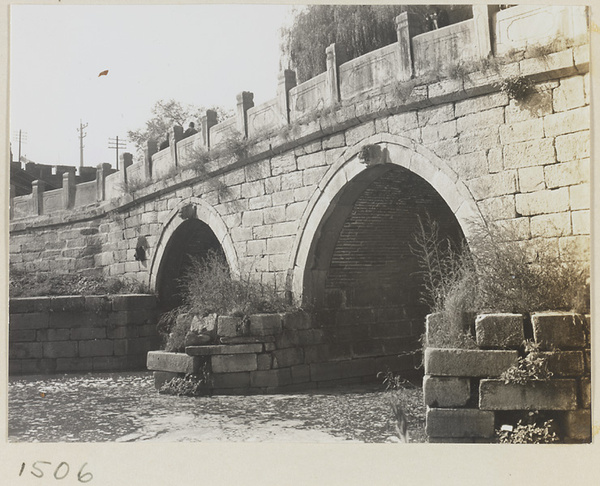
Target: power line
column 82, row 135
column 21, row 137
column 114, row 143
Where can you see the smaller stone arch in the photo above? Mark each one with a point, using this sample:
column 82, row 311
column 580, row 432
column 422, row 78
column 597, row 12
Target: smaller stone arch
column 193, row 208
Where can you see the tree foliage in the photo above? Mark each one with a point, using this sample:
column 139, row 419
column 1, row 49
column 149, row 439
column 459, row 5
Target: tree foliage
column 355, row 30
column 166, row 114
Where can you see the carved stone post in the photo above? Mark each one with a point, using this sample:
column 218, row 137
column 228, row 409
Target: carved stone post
column 68, row 189
column 175, row 134
column 245, row 101
column 101, row 173
column 285, row 81
column 150, row 150
column 481, row 17
column 209, row 120
column 333, row 88
column 126, row 159
column 406, row 29
column 37, row 196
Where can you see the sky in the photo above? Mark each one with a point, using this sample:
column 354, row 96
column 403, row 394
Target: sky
column 196, row 54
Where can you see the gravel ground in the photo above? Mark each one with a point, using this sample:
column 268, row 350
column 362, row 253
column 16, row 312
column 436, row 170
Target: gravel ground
column 125, row 407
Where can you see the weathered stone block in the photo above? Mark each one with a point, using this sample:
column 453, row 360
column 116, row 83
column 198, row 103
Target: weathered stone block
column 573, row 146
column 22, row 336
column 559, row 329
column 283, row 358
column 62, row 349
column 74, row 364
column 296, row 320
column 264, row 361
column 173, row 362
column 97, row 347
column 231, row 363
column 207, row 324
column 543, row 202
column 53, row 335
column 458, row 423
column 551, row 225
column 493, row 185
column 565, row 363
column 228, row 326
column 567, row 122
column 325, row 371
column 579, row 196
column 24, row 305
column 468, row 362
column 540, row 395
column 274, row 378
column 446, row 391
column 586, row 392
column 569, row 94
column 300, row 373
column 109, row 363
column 231, row 380
column 481, row 103
column 359, row 367
column 24, row 350
column 133, row 302
column 578, row 425
column 67, row 303
column 531, row 179
column 499, row 330
column 521, row 131
column 209, row 350
column 265, row 324
column 31, row 320
column 87, row 333
column 529, row 153
column 581, row 222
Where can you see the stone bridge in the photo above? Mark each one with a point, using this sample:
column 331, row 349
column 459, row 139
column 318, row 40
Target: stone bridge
column 318, row 191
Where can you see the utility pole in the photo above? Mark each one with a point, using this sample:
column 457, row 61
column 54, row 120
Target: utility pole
column 114, row 143
column 82, row 135
column 21, row 137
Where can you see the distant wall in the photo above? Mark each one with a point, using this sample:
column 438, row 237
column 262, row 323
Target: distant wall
column 77, row 333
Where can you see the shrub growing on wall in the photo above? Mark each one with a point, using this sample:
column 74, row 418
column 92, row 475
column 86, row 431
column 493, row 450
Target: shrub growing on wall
column 208, row 288
column 500, row 274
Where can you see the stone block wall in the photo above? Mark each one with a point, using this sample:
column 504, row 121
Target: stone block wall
column 77, row 333
column 467, row 401
column 270, row 353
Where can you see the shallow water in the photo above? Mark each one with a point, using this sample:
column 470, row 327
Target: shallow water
column 125, row 407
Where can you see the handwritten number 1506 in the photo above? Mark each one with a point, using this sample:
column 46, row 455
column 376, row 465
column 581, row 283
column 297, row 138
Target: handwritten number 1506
column 61, row 471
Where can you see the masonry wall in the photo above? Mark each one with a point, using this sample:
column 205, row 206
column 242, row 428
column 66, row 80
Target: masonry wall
column 77, row 334
column 268, row 353
column 467, row 400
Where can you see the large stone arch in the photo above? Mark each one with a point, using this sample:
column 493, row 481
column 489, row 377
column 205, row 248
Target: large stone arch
column 342, row 180
column 193, row 208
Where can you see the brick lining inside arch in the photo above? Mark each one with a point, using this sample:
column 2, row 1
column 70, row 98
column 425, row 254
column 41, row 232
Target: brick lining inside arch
column 371, row 304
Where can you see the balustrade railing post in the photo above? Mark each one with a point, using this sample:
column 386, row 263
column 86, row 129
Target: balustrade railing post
column 481, row 17
column 175, row 134
column 333, row 87
column 245, row 101
column 285, row 81
column 37, row 196
column 149, row 151
column 208, row 121
column 406, row 29
column 68, row 189
column 101, row 173
column 125, row 160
